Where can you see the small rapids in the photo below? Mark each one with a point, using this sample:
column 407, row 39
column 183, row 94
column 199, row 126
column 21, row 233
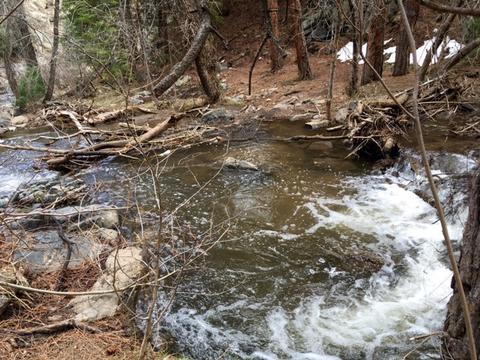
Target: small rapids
column 325, row 258
column 293, row 281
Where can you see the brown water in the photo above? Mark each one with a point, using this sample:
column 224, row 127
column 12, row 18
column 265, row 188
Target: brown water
column 288, row 279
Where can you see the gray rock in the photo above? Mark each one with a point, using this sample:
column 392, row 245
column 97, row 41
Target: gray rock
column 219, row 116
column 341, row 115
column 184, row 80
column 42, row 251
column 317, row 124
column 50, row 189
column 108, row 236
column 123, row 268
column 283, row 106
column 100, row 215
column 140, row 97
column 301, row 117
column 20, row 121
column 79, row 217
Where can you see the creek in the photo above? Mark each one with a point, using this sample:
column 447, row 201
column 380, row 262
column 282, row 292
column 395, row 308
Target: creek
column 324, row 257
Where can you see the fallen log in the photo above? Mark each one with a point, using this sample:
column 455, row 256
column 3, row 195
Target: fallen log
column 193, row 52
column 116, row 147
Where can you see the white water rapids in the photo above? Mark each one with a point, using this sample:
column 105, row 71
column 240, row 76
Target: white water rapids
column 365, row 318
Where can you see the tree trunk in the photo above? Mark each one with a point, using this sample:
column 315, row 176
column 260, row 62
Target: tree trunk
column 356, row 41
column 402, row 57
column 10, row 72
column 333, row 66
column 375, row 43
column 304, row 70
column 53, row 59
column 456, row 344
column 179, row 69
column 275, row 58
column 206, row 69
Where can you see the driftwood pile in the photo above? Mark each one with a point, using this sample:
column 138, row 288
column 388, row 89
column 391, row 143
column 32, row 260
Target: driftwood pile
column 124, row 138
column 374, row 127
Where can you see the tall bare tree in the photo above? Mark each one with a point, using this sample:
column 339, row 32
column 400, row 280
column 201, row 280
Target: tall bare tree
column 206, row 70
column 375, row 43
column 275, row 59
column 355, row 8
column 304, row 70
column 54, row 55
column 456, row 344
column 402, row 56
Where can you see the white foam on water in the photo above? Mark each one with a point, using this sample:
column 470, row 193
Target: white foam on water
column 362, row 320
column 410, row 304
column 10, row 183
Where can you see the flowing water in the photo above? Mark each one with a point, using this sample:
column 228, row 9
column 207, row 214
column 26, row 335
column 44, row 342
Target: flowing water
column 295, row 276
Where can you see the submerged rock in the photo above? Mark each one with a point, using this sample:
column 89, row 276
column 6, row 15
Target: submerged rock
column 233, row 163
column 359, row 261
column 49, row 190
column 321, row 146
column 123, row 268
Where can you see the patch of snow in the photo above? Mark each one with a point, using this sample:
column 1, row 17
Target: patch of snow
column 449, row 47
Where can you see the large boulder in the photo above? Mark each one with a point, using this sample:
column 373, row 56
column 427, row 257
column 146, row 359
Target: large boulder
column 44, row 251
column 20, row 121
column 123, row 268
column 80, row 217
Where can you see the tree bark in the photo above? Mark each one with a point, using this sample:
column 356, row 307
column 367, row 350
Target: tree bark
column 53, row 59
column 375, row 43
column 304, row 70
column 333, row 66
column 402, row 57
column 275, row 58
column 10, row 72
column 456, row 344
column 196, row 47
column 353, row 84
column 206, row 69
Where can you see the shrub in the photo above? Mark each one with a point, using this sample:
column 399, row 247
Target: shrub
column 31, row 88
